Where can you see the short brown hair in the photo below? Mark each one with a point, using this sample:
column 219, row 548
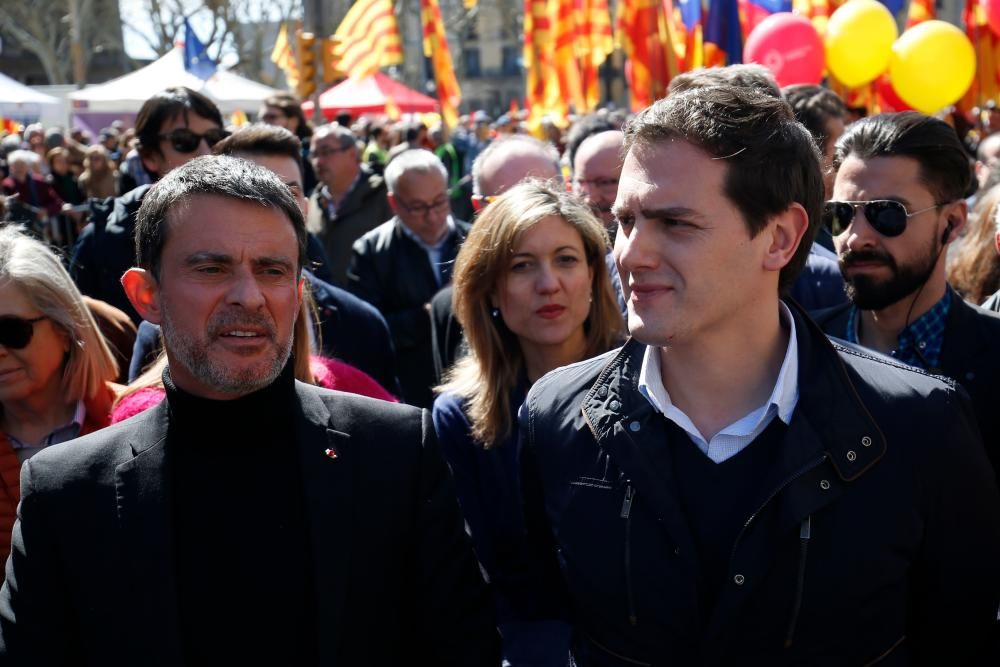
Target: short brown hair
column 260, row 139
column 772, row 161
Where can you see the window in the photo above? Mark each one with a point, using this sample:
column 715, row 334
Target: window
column 470, row 56
column 511, row 64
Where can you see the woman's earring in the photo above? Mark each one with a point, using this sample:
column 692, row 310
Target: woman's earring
column 495, row 313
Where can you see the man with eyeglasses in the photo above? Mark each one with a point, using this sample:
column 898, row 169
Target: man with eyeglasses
column 898, row 201
column 349, row 199
column 594, row 147
column 172, row 128
column 400, row 265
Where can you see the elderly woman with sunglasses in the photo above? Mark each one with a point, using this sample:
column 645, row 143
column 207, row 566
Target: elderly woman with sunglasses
column 55, row 367
column 532, row 292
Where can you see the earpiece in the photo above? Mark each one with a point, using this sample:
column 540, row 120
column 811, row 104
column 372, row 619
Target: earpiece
column 947, row 233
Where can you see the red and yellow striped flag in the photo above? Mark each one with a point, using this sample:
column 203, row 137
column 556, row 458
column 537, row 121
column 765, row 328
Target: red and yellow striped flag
column 594, row 43
column 436, row 48
column 369, row 39
column 567, row 87
column 986, row 85
column 637, row 32
column 537, row 60
column 920, row 11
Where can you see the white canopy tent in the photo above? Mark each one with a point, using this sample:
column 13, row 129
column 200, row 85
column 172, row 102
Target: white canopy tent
column 21, row 103
column 127, row 93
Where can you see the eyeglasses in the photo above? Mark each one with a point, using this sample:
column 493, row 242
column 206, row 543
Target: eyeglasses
column 185, row 140
column 16, row 332
column 421, row 208
column 326, row 152
column 599, row 183
column 887, row 217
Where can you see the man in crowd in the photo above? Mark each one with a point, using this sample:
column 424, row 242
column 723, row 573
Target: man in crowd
column 400, row 265
column 594, row 147
column 172, row 128
column 349, row 200
column 822, row 112
column 730, row 487
column 898, row 201
column 350, row 329
column 247, row 519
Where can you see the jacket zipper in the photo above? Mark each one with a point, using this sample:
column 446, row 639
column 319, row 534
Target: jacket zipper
column 627, row 515
column 803, row 540
column 805, row 532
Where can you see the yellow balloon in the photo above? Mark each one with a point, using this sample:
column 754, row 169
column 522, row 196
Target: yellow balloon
column 932, row 66
column 859, row 39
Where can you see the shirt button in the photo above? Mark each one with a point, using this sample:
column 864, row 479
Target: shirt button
column 739, row 579
column 614, row 405
column 922, row 345
column 634, row 427
column 824, row 484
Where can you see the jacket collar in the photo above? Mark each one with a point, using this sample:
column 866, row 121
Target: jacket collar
column 829, row 402
column 145, row 513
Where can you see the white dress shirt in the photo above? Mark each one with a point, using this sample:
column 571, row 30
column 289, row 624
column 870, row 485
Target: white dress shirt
column 734, row 438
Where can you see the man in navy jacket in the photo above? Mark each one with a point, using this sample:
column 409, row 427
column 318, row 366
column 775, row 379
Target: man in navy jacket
column 730, row 487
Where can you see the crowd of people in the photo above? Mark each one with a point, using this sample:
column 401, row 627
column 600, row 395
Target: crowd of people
column 709, row 384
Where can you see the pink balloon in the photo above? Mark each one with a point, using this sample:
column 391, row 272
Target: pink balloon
column 992, row 8
column 789, row 46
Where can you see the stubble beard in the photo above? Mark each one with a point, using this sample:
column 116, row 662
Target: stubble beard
column 193, row 354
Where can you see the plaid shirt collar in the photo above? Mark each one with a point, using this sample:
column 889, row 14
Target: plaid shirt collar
column 920, row 343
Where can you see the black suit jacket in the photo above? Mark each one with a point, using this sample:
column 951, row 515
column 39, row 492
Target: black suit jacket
column 970, row 355
column 91, row 578
column 391, row 272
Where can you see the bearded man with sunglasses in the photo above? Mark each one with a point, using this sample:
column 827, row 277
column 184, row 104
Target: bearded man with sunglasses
column 172, row 128
column 400, row 265
column 898, row 201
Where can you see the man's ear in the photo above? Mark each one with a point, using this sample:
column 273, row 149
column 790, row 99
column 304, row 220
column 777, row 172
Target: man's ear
column 785, row 235
column 956, row 215
column 143, row 291
column 151, row 160
column 393, row 202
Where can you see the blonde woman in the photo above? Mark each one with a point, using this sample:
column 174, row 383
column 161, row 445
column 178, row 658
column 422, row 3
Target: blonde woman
column 532, row 293
column 56, row 370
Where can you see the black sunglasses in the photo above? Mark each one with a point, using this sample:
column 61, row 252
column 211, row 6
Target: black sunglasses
column 185, row 140
column 16, row 332
column 887, row 217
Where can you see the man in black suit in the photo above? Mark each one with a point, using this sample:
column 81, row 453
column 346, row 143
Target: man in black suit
column 247, row 519
column 898, row 201
column 400, row 265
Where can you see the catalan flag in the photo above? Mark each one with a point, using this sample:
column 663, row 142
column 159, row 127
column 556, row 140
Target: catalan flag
column 283, row 56
column 538, row 63
column 436, row 48
column 987, row 44
column 593, row 44
column 369, row 39
column 638, row 35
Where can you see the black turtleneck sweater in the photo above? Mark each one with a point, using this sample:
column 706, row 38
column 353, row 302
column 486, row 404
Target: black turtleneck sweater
column 244, row 568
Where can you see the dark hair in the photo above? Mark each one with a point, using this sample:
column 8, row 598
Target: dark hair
column 814, row 106
column 944, row 167
column 291, row 106
column 772, row 161
column 219, row 175
column 343, row 118
column 747, row 75
column 261, row 139
column 162, row 107
column 585, row 128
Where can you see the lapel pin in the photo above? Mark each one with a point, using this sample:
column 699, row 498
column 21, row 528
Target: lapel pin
column 331, row 453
